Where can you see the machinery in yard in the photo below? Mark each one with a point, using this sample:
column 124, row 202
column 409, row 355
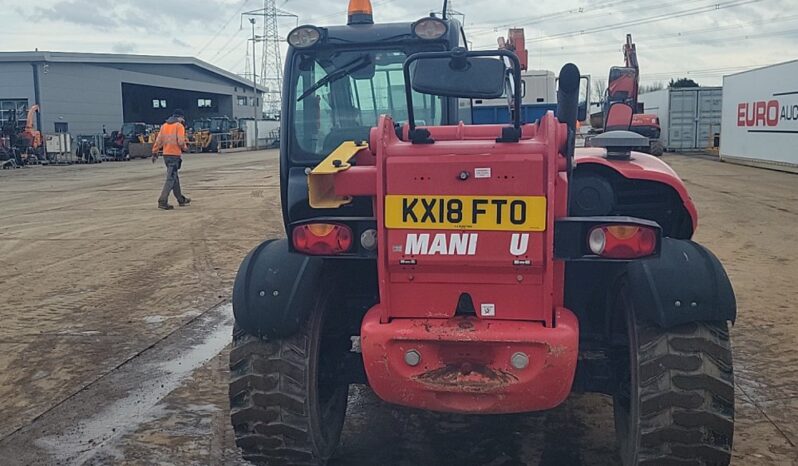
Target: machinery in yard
column 623, row 87
column 470, row 269
column 23, row 144
column 199, row 135
column 538, row 91
column 131, row 141
column 87, row 148
column 29, row 140
column 213, row 134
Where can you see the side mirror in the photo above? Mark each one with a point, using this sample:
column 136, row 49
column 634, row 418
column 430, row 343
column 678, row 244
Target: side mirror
column 460, row 73
column 581, row 111
column 464, row 77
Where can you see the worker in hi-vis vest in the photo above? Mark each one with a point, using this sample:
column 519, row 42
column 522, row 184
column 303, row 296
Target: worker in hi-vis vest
column 172, row 141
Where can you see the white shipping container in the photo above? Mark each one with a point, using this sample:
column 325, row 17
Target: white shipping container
column 540, row 86
column 267, row 131
column 760, row 117
column 688, row 117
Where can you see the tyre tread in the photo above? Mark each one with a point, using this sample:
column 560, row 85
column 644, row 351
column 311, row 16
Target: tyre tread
column 686, row 393
column 268, row 399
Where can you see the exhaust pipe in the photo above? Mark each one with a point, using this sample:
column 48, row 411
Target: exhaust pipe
column 567, row 111
column 568, row 95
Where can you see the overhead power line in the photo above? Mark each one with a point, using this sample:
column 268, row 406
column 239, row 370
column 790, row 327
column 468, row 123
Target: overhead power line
column 647, row 20
column 659, row 45
column 530, row 20
column 223, row 27
column 639, row 21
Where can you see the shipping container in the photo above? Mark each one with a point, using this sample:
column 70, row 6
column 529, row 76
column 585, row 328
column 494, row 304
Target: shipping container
column 760, row 117
column 688, row 117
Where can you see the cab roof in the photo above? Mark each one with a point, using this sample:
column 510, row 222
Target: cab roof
column 379, row 32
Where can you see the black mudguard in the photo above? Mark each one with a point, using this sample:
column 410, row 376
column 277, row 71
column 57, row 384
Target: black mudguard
column 686, row 283
column 275, row 290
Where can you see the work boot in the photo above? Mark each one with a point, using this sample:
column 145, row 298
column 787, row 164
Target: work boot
column 186, row 201
column 165, row 206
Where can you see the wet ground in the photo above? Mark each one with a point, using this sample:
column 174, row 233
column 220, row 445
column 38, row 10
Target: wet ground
column 115, row 320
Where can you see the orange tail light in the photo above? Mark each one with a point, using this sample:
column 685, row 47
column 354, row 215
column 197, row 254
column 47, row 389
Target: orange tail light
column 322, row 239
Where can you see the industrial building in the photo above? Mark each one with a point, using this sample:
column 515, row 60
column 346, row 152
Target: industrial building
column 760, row 117
column 84, row 93
column 689, row 118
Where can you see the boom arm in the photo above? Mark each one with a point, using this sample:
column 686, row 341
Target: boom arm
column 630, row 53
column 29, row 122
column 516, row 43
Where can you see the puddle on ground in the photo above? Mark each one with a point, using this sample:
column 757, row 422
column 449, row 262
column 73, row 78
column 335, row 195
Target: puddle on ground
column 141, row 404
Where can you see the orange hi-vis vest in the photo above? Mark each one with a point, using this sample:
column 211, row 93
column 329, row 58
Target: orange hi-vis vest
column 171, row 138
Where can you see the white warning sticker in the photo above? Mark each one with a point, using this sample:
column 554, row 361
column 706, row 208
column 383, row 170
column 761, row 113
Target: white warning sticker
column 482, row 172
column 488, row 310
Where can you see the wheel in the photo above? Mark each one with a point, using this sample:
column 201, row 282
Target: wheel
column 287, row 396
column 674, row 403
column 656, row 149
column 213, row 146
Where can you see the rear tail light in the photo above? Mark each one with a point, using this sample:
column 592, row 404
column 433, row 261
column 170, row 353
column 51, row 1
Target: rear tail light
column 322, row 239
column 622, row 241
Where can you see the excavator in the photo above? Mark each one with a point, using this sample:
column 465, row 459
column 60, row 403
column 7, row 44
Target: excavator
column 30, row 135
column 623, row 88
column 538, row 89
column 24, row 145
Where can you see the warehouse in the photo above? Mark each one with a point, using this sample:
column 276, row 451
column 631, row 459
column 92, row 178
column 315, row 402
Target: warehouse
column 84, row 93
column 760, row 117
column 690, row 118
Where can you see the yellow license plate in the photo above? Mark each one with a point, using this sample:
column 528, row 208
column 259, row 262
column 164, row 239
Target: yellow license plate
column 490, row 213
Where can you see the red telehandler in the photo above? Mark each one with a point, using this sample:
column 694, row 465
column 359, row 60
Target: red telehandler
column 470, row 269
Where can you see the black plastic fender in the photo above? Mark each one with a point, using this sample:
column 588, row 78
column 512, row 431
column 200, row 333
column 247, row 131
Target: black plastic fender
column 275, row 290
column 686, row 283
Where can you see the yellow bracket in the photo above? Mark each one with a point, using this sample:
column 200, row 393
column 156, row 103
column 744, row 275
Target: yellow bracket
column 321, row 180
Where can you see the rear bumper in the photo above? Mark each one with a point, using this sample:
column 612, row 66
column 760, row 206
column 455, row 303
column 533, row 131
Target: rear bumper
column 465, row 363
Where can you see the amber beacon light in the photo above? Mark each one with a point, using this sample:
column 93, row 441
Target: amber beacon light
column 360, row 12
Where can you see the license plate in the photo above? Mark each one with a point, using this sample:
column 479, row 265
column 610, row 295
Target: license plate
column 489, row 213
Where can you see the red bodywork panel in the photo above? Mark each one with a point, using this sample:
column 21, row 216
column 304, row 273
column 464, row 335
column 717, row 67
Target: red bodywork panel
column 641, row 167
column 645, row 119
column 428, row 285
column 507, row 269
column 465, row 362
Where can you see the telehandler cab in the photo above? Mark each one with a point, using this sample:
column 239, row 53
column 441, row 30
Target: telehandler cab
column 470, row 269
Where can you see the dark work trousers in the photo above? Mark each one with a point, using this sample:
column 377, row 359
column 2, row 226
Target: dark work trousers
column 172, row 179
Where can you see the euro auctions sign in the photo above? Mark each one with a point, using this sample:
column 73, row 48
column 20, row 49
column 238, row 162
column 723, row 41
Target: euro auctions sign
column 774, row 113
column 759, row 122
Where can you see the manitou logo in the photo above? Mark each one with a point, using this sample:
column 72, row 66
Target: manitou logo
column 765, row 113
column 457, row 244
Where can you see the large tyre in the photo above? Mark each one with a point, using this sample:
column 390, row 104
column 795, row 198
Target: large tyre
column 287, row 398
column 213, row 146
column 656, row 148
column 674, row 404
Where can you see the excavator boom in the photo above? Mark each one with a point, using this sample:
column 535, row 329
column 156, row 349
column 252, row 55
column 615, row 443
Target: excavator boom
column 630, row 53
column 516, row 43
column 29, row 122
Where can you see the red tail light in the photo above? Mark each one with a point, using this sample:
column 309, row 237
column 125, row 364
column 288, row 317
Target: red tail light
column 622, row 241
column 322, row 239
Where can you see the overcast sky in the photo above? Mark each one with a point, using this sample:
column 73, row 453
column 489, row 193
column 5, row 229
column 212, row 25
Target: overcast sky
column 702, row 39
